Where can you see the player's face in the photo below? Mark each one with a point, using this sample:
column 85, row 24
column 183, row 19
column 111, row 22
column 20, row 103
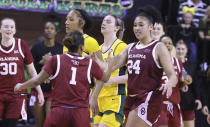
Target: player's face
column 72, row 21
column 181, row 50
column 157, row 31
column 108, row 25
column 49, row 30
column 187, row 17
column 142, row 27
column 8, row 28
column 168, row 43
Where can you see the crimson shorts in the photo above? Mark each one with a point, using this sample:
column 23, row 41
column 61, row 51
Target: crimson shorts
column 68, row 117
column 188, row 115
column 149, row 106
column 170, row 115
column 47, row 96
column 10, row 106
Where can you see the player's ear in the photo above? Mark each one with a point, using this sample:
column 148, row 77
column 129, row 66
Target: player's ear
column 81, row 48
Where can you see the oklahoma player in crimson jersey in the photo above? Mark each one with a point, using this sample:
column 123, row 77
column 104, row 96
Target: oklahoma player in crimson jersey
column 14, row 54
column 146, row 60
column 171, row 113
column 71, row 76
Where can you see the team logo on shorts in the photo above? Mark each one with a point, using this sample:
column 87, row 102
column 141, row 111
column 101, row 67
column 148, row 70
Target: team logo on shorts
column 143, row 111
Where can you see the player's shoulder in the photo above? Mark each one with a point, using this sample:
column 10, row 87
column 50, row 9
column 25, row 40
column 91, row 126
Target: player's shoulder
column 88, row 38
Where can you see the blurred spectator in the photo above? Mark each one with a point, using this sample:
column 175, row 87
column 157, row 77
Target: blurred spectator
column 41, row 52
column 190, row 93
column 159, row 31
column 197, row 6
column 204, row 42
column 187, row 31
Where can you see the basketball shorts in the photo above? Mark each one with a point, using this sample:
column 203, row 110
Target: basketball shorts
column 170, row 115
column 68, row 117
column 148, row 105
column 111, row 111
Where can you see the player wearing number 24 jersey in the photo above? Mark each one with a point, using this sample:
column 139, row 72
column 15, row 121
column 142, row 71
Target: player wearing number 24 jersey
column 71, row 76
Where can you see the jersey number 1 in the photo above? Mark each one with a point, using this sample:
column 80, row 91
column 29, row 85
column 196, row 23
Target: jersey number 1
column 73, row 76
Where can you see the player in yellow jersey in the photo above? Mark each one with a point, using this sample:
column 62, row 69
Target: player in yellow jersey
column 79, row 20
column 111, row 97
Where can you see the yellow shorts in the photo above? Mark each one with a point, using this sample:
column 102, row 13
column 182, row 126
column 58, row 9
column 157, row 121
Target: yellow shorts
column 111, row 111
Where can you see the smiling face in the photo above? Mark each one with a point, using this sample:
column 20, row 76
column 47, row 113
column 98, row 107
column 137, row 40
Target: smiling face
column 168, row 43
column 181, row 50
column 7, row 28
column 50, row 30
column 157, row 31
column 109, row 25
column 72, row 21
column 142, row 27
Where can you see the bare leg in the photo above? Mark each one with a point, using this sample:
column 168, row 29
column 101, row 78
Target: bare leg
column 47, row 107
column 39, row 115
column 190, row 123
column 163, row 126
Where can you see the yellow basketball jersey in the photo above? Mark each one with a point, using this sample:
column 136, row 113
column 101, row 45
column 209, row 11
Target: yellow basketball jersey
column 90, row 45
column 114, row 89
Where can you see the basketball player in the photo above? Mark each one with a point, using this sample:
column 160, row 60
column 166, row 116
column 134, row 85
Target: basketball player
column 71, row 76
column 171, row 114
column 112, row 97
column 79, row 20
column 146, row 61
column 14, row 55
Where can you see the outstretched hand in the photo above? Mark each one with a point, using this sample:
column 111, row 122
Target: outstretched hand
column 187, row 80
column 17, row 87
column 94, row 105
column 166, row 88
column 40, row 99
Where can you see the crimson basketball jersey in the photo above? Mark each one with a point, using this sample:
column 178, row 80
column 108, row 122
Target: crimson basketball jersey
column 12, row 61
column 144, row 72
column 175, row 97
column 71, row 77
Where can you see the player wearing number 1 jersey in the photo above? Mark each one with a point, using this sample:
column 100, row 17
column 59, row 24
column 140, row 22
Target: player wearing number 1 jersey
column 14, row 55
column 71, row 76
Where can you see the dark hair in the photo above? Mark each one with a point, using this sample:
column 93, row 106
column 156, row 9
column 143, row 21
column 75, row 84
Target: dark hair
column 119, row 22
column 55, row 24
column 54, row 19
column 84, row 15
column 181, row 42
column 151, row 13
column 73, row 40
column 164, row 36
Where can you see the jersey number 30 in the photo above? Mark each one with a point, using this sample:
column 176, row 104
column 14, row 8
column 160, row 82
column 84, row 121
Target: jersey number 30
column 8, row 68
column 133, row 66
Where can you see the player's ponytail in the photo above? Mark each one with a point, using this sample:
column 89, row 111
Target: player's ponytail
column 151, row 13
column 73, row 41
column 119, row 22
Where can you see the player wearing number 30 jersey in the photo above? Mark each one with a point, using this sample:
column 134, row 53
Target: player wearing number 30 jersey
column 71, row 76
column 14, row 55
